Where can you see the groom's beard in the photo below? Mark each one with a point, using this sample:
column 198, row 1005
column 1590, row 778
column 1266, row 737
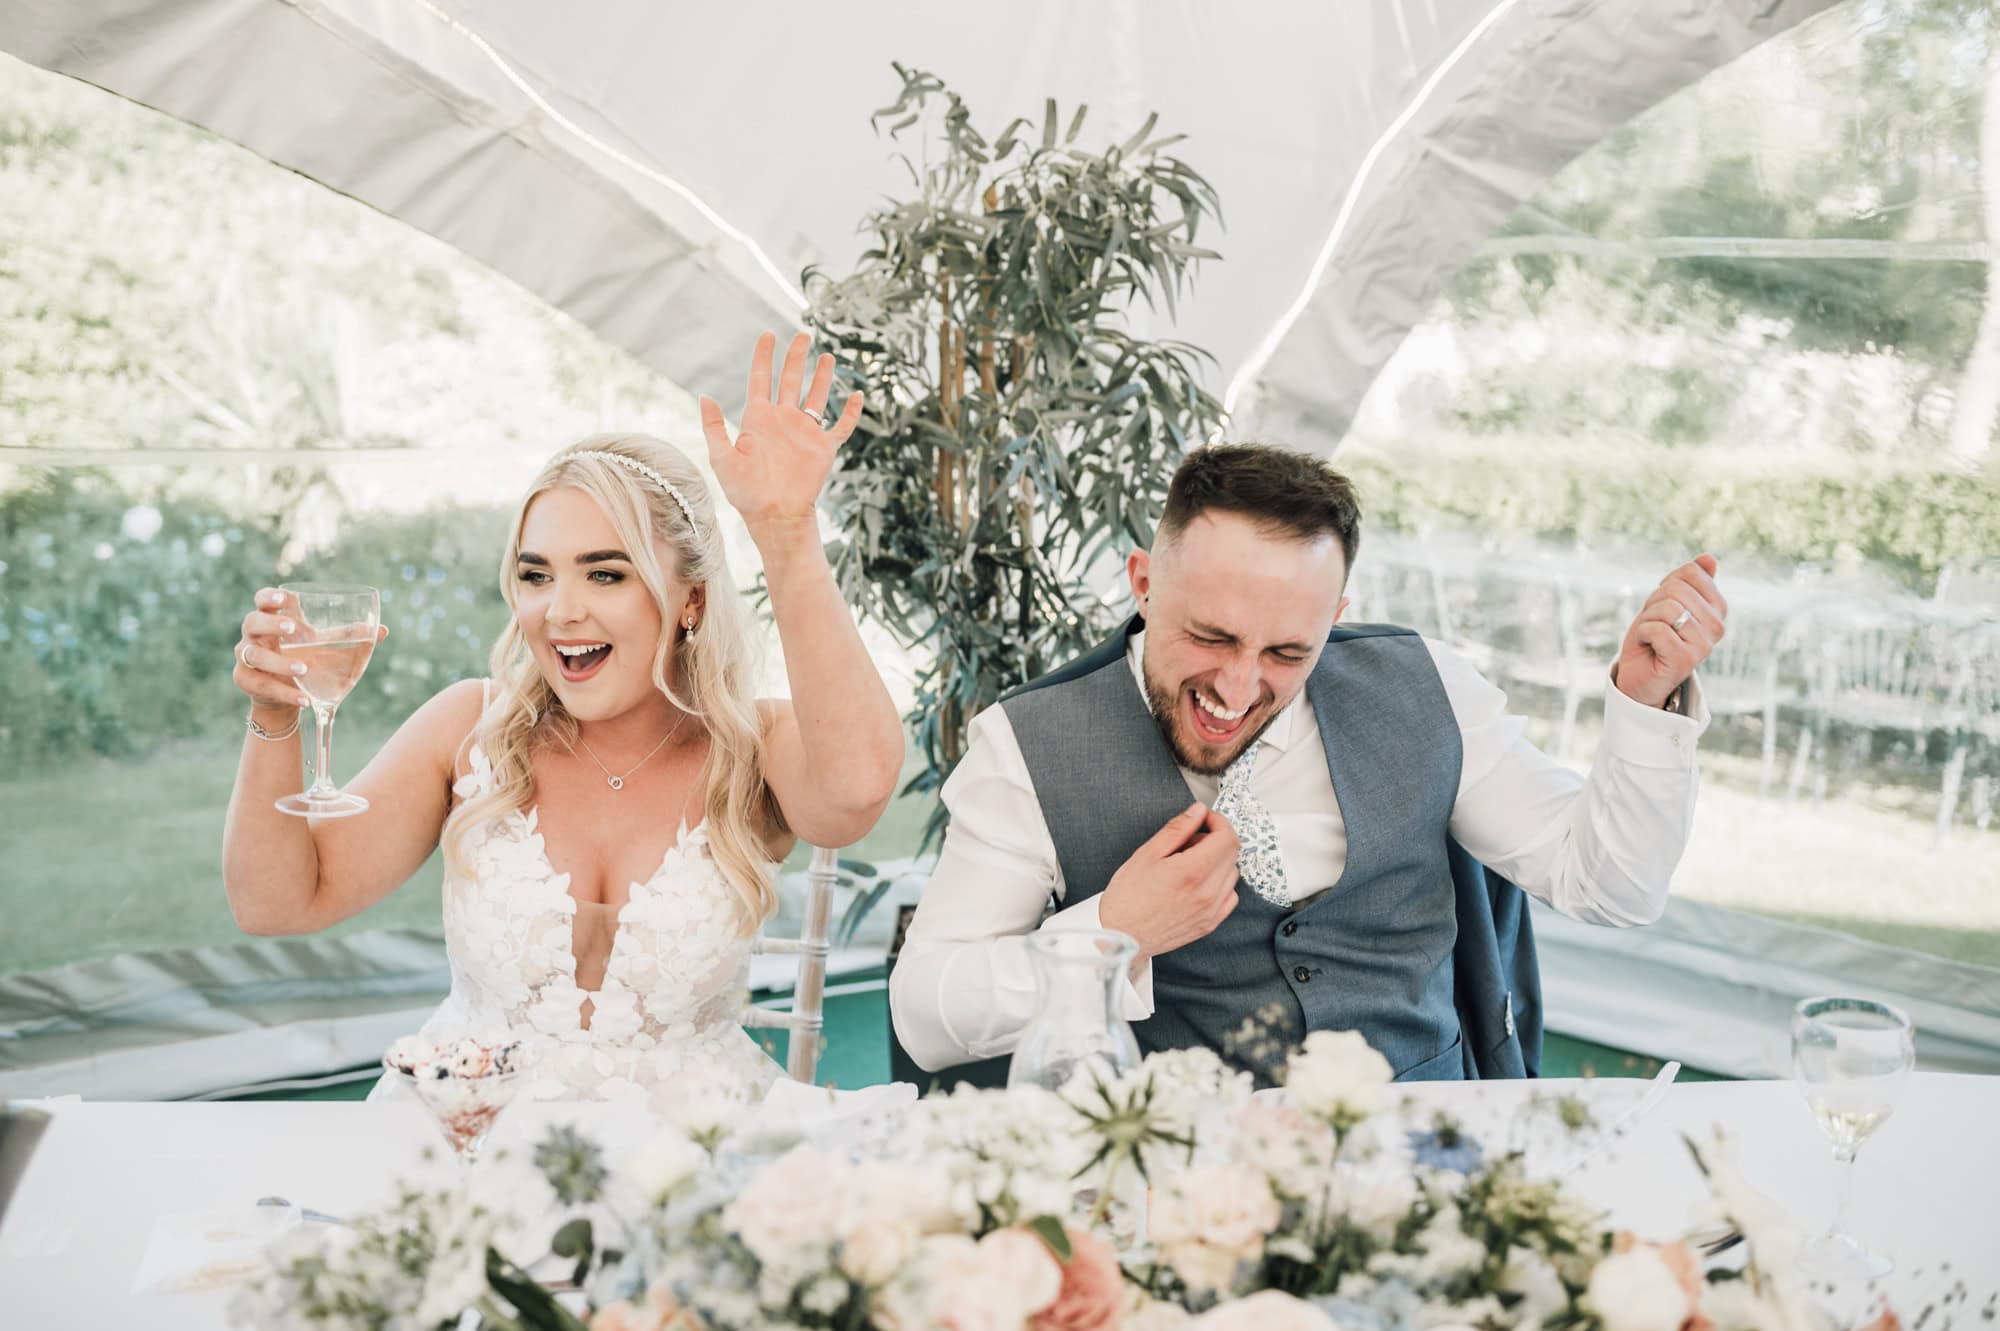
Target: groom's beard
column 1205, row 759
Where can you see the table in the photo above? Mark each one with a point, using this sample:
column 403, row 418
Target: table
column 74, row 1234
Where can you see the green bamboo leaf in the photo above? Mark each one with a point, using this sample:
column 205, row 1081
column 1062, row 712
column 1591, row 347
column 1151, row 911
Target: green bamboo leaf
column 1132, row 144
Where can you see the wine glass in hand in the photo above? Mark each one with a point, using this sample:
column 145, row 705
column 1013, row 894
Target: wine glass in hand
column 334, row 637
column 1851, row 1059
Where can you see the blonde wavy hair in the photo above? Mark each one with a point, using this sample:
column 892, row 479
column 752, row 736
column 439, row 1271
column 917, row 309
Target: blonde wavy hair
column 709, row 675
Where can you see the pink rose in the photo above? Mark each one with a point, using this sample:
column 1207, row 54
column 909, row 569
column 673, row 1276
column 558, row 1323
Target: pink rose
column 661, row 1313
column 1092, row 1297
column 995, row 1284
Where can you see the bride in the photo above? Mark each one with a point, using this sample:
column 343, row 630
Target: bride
column 612, row 802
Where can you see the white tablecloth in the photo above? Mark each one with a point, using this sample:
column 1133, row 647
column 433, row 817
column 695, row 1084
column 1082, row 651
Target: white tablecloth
column 1927, row 1191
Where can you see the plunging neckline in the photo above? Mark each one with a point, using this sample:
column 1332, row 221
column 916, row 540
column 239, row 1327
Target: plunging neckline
column 586, row 1008
column 664, row 1019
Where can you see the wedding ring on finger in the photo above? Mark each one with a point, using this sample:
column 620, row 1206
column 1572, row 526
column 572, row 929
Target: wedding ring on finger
column 1680, row 620
column 243, row 655
column 817, row 418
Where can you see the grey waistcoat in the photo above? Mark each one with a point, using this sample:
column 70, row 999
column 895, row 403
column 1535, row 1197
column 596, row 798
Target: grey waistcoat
column 1372, row 954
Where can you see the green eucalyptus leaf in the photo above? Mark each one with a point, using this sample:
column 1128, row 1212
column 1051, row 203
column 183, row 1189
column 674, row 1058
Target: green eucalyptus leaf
column 1050, row 1230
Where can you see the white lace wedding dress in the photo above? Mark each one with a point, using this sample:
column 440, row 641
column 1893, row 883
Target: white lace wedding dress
column 660, row 1026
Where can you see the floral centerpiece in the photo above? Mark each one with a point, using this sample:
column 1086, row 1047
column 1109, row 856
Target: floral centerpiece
column 1166, row 1197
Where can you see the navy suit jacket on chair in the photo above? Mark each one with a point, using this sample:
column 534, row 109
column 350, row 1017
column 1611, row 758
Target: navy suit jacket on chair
column 1496, row 978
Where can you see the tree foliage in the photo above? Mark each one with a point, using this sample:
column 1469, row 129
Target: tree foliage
column 1018, row 426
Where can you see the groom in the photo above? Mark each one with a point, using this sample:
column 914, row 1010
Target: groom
column 1270, row 804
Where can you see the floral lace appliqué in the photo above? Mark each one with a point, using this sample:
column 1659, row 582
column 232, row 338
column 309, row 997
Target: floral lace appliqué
column 662, row 1026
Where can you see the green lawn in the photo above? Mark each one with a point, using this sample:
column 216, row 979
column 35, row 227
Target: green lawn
column 107, row 857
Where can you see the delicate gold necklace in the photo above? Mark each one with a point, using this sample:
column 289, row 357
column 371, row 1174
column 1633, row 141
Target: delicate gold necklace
column 617, row 781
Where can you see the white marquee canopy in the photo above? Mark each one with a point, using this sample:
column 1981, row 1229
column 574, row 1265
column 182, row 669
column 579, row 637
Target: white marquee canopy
column 664, row 173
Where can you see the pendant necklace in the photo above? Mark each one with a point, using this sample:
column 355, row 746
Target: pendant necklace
column 617, row 780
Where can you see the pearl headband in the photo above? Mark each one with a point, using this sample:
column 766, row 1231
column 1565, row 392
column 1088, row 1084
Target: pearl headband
column 640, row 469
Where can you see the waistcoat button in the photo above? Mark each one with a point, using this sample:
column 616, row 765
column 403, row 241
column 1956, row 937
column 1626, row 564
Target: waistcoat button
column 1289, row 928
column 1301, row 974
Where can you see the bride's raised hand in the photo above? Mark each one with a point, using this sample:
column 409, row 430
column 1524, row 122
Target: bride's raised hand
column 774, row 469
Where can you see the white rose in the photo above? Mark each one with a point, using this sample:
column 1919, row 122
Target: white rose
column 1266, row 1310
column 1529, row 1275
column 919, row 1196
column 1209, row 1221
column 1635, row 1291
column 1223, row 1206
column 1446, row 1250
column 1377, row 1196
column 797, row 1201
column 996, row 1284
column 1337, row 1073
column 663, row 1164
column 876, row 1249
column 824, row 1296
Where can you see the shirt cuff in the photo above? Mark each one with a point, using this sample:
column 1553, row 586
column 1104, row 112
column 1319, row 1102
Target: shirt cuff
column 1652, row 736
column 1136, row 993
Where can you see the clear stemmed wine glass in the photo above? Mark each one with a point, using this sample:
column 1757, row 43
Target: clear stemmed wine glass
column 1851, row 1059
column 335, row 637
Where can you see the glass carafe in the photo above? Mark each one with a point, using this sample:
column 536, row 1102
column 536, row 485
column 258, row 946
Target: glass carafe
column 1077, row 1027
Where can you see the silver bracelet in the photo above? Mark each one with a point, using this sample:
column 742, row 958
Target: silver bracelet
column 274, row 736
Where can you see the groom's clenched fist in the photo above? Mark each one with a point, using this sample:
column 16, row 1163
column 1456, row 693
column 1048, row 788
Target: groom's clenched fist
column 1177, row 887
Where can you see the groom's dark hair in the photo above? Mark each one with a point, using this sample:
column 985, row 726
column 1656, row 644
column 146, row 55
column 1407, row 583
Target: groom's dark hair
column 1287, row 492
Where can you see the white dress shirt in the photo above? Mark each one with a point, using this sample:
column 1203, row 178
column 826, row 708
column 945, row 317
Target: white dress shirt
column 1599, row 848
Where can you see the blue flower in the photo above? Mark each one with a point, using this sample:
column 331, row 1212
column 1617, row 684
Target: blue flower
column 1447, row 1148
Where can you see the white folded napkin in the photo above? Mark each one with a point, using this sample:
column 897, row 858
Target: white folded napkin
column 830, row 1117
column 212, row 1249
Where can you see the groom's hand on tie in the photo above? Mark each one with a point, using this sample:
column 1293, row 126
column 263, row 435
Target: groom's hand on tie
column 1176, row 888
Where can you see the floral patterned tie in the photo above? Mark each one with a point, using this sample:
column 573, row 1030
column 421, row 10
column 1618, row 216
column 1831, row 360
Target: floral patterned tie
column 1257, row 860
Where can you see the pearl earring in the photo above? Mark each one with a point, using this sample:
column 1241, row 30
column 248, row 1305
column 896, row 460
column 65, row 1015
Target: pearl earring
column 690, row 630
